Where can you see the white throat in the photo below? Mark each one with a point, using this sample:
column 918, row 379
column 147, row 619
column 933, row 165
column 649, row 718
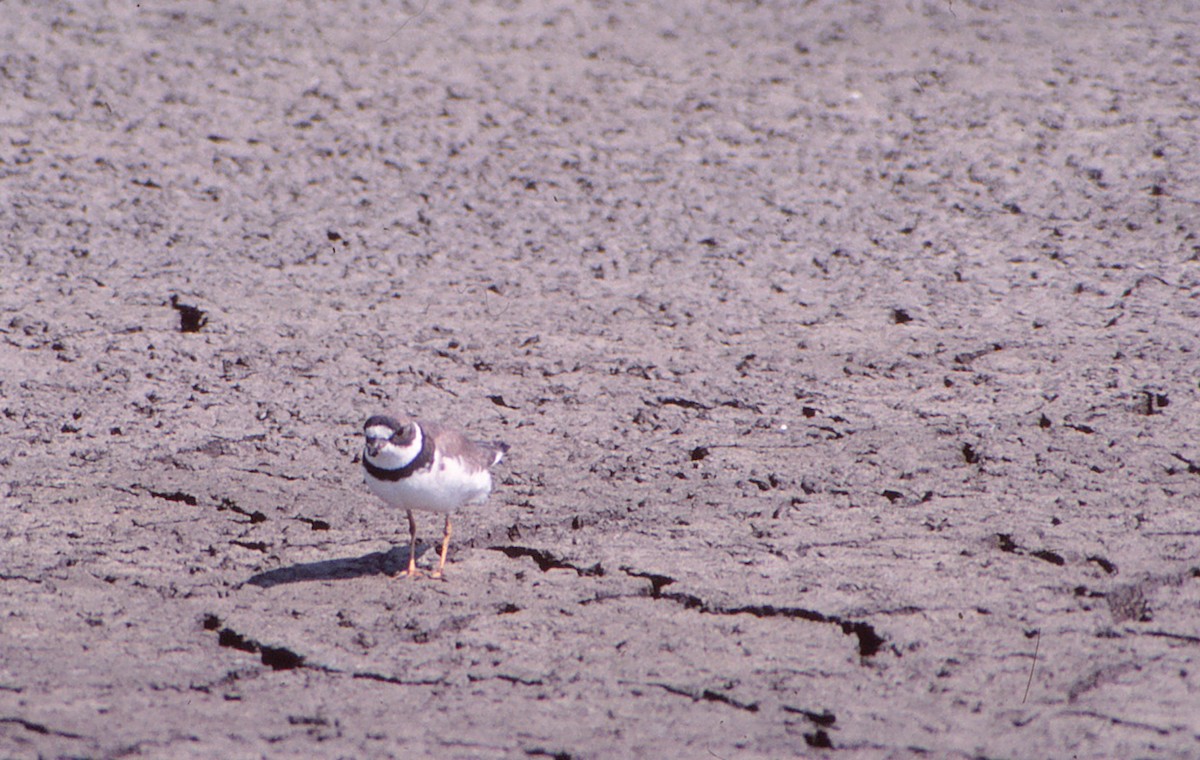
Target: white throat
column 391, row 456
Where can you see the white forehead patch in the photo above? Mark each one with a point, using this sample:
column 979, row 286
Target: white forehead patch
column 379, row 431
column 392, row 455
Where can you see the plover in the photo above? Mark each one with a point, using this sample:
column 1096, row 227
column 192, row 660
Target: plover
column 428, row 467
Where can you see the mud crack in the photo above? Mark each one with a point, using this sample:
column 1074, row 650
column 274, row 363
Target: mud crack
column 869, row 641
column 176, row 496
column 278, row 658
column 313, row 523
column 822, row 720
column 191, row 318
column 1005, row 542
column 370, row 676
column 547, row 561
column 225, row 505
column 38, row 728
column 706, row 695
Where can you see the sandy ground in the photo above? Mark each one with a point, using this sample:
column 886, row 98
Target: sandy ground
column 848, row 352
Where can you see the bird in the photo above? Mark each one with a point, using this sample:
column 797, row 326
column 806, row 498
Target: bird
column 427, row 467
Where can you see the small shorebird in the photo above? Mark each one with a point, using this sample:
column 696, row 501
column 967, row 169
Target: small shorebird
column 425, row 466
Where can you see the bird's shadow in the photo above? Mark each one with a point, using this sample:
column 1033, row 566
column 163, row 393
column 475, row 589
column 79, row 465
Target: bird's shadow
column 391, row 562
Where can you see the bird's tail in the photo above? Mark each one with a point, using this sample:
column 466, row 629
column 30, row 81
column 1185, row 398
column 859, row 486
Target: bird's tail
column 498, row 449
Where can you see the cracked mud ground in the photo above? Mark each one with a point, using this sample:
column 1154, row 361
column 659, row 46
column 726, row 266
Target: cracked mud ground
column 848, row 353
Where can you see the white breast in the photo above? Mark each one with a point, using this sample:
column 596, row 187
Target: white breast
column 444, row 487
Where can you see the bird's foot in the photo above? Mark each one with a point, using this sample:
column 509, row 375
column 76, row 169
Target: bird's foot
column 412, row 571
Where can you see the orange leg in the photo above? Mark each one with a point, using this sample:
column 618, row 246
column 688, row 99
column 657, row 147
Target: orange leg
column 445, row 545
column 412, row 547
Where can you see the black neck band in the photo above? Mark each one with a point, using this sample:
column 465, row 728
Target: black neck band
column 423, row 459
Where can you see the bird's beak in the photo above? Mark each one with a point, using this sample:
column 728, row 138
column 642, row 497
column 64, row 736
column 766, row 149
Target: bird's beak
column 373, row 446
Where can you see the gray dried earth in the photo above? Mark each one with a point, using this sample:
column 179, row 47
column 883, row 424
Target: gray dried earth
column 848, row 352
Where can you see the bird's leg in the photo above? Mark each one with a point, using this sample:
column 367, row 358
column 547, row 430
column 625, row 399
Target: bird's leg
column 445, row 545
column 412, row 546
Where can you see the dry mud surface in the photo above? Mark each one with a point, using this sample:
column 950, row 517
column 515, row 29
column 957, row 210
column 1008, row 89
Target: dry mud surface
column 848, row 353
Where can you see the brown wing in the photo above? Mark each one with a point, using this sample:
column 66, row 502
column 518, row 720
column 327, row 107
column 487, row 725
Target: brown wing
column 476, row 455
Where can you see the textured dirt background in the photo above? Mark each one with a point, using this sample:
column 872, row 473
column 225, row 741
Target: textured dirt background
column 848, row 353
